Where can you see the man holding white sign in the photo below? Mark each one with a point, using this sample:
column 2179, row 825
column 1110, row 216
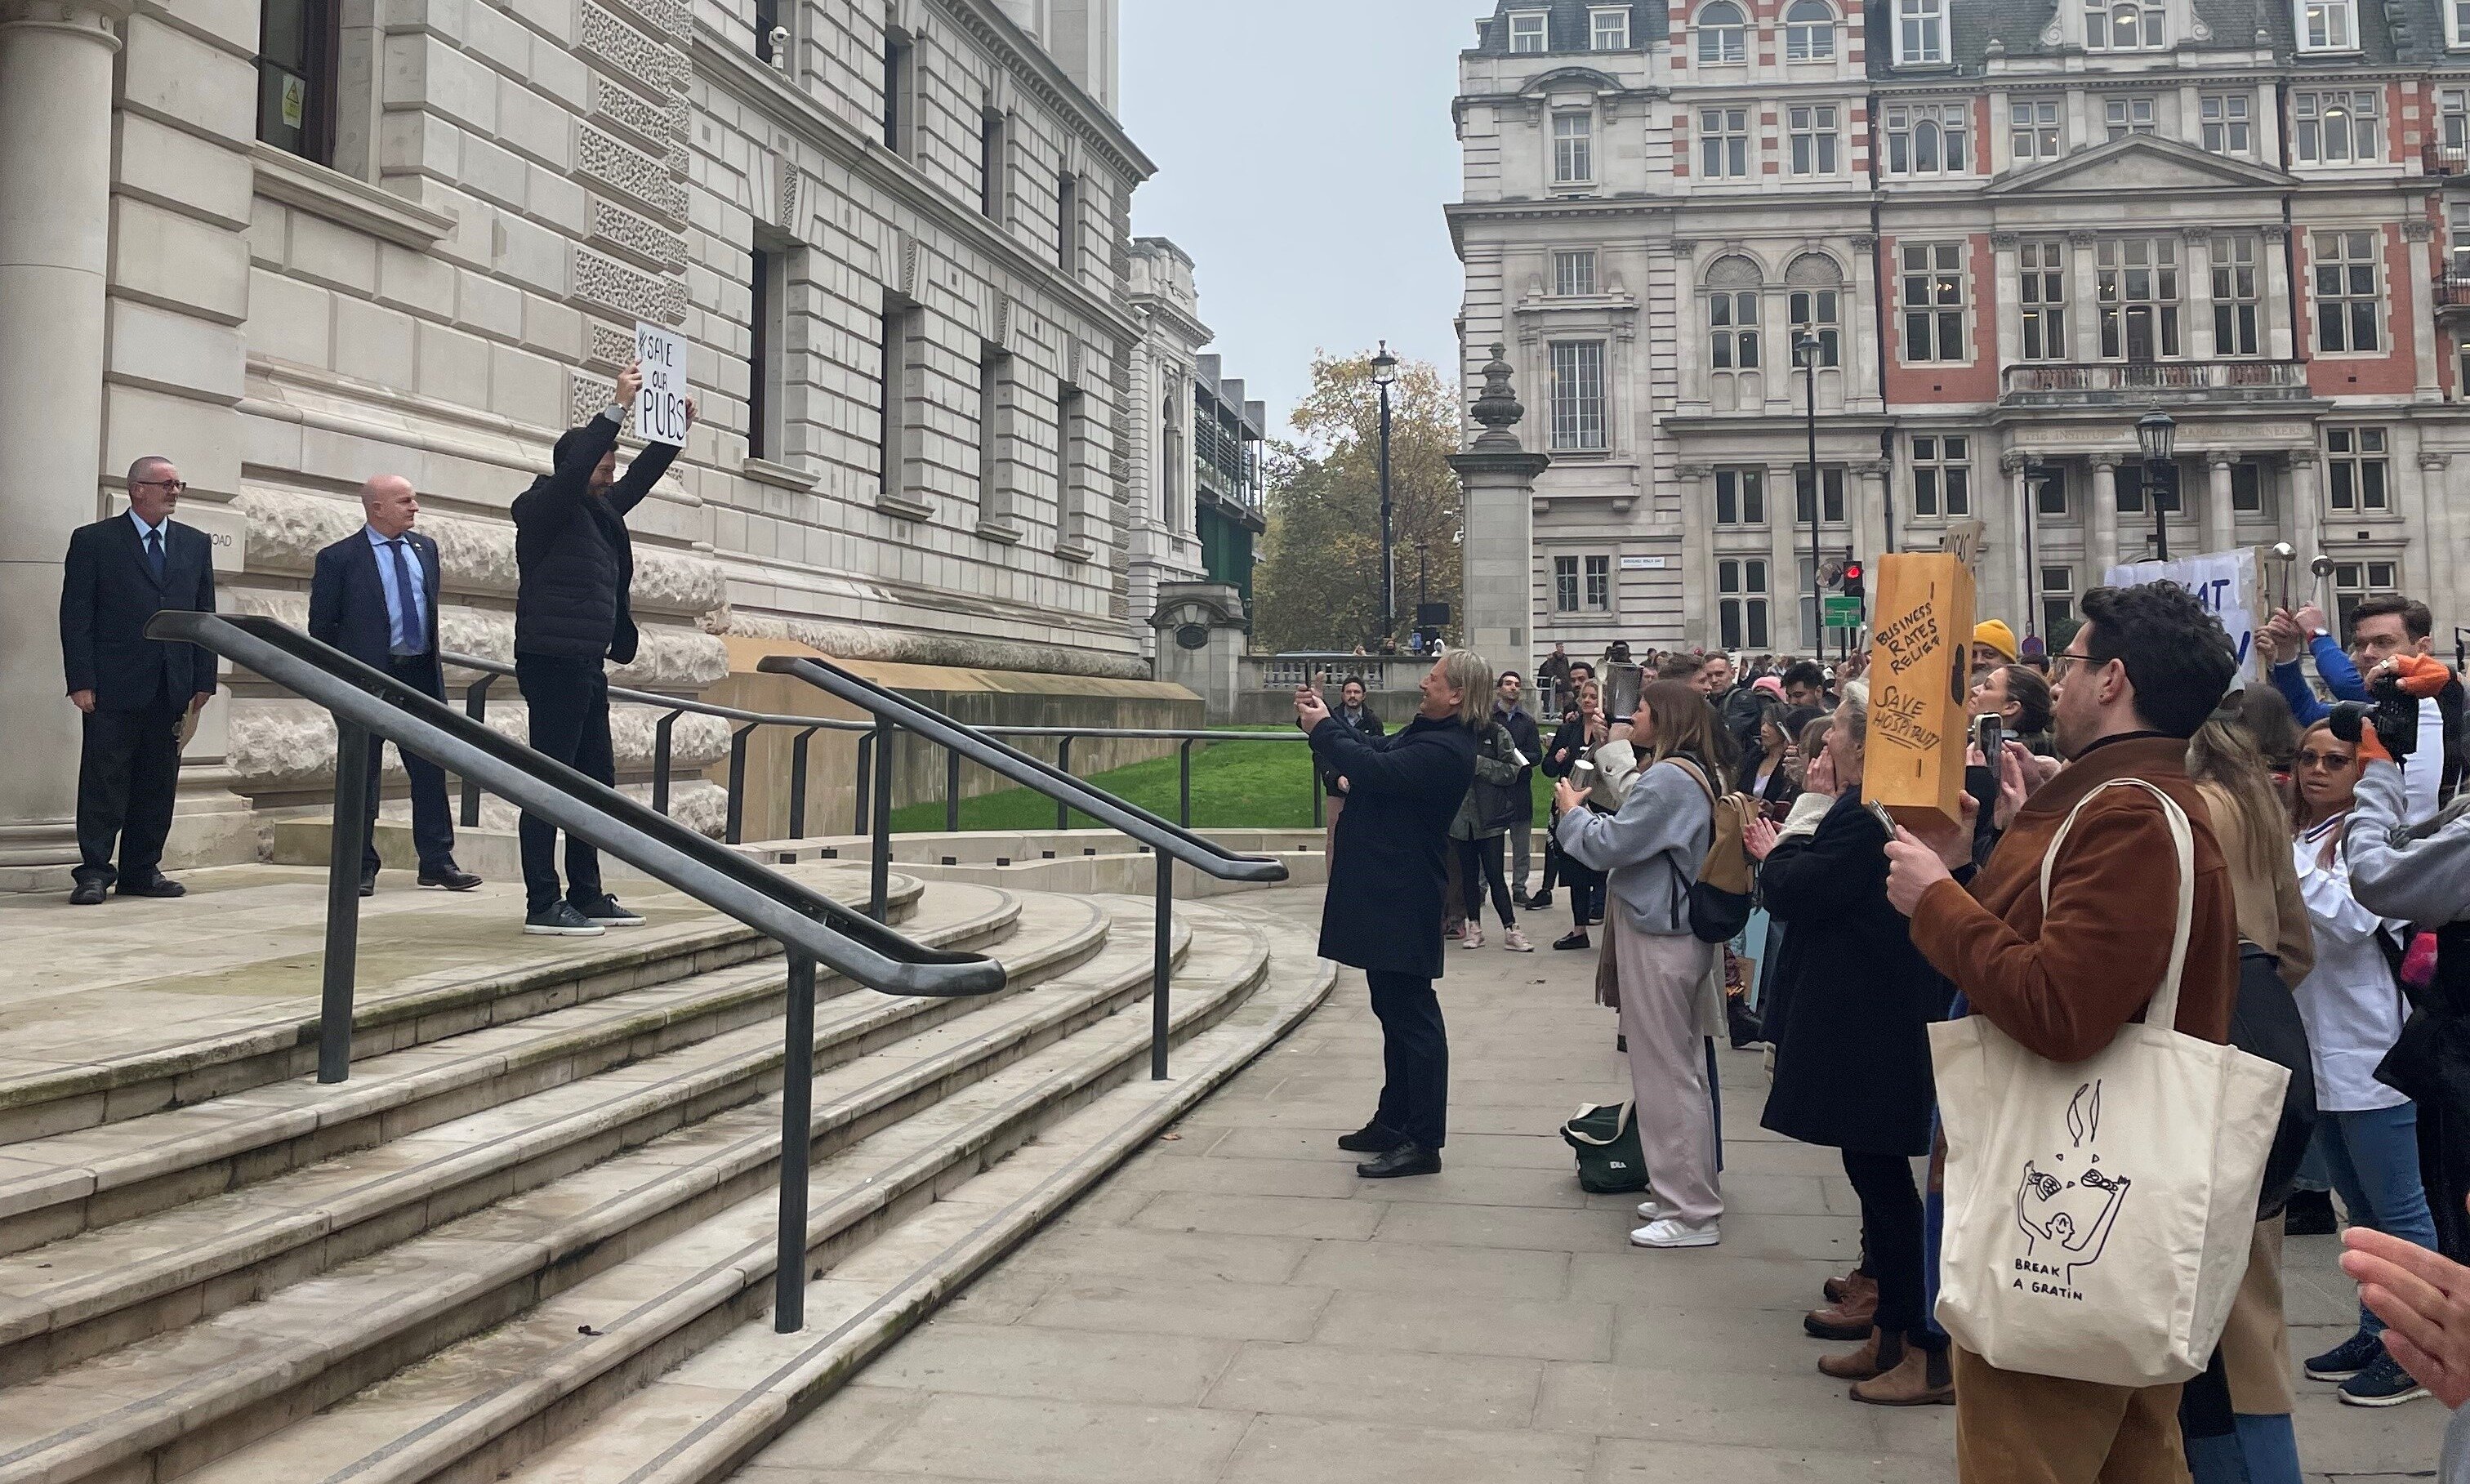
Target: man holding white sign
column 571, row 614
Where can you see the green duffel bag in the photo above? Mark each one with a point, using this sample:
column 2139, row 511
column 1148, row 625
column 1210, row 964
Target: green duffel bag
column 1605, row 1136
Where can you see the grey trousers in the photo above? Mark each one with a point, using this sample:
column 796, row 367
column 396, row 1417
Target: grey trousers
column 1661, row 979
column 1522, row 848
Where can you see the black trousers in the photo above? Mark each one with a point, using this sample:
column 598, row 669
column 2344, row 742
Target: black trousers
column 1479, row 865
column 129, row 768
column 570, row 721
column 433, row 823
column 1414, row 1056
column 1891, row 1241
column 1586, row 891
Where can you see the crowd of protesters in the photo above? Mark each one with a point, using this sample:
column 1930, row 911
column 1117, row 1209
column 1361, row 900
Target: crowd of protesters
column 2327, row 930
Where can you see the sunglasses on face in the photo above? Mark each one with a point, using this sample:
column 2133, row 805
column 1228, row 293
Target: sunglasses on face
column 2330, row 760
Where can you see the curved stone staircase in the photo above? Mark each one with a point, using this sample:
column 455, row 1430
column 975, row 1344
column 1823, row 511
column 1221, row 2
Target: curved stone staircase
column 534, row 1236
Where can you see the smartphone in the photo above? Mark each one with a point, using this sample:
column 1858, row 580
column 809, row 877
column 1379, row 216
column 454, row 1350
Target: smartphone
column 1878, row 811
column 1989, row 734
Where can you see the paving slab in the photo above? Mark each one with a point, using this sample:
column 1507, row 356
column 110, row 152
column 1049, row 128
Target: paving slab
column 1235, row 1307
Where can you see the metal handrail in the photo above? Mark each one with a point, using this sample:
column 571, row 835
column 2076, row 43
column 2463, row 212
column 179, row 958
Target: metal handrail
column 811, row 928
column 1170, row 842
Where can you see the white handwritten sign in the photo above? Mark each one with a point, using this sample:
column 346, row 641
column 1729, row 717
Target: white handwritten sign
column 661, row 407
column 2224, row 582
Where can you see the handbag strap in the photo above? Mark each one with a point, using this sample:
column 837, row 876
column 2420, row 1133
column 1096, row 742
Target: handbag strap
column 2163, row 1011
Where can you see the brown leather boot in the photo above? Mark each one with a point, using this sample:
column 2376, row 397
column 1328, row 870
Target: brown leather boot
column 1848, row 1318
column 1923, row 1378
column 1834, row 1289
column 1856, row 1366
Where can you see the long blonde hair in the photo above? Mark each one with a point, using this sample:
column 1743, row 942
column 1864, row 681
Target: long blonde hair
column 2223, row 759
column 1471, row 675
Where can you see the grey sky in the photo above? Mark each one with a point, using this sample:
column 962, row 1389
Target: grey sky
column 1304, row 153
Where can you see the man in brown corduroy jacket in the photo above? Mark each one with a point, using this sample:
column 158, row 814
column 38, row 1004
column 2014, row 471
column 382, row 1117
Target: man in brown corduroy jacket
column 2142, row 674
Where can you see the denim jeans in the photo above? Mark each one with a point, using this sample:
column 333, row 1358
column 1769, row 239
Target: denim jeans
column 2264, row 1450
column 2372, row 1155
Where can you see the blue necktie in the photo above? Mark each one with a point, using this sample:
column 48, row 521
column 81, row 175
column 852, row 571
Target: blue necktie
column 154, row 551
column 407, row 639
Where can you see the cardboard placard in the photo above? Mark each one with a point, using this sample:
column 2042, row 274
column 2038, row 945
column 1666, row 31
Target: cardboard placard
column 661, row 407
column 2229, row 584
column 1921, row 663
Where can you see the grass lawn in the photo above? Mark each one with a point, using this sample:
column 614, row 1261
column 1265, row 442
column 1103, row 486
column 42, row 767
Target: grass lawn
column 1235, row 785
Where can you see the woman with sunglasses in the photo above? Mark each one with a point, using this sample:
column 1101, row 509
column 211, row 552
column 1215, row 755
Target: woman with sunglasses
column 2366, row 1132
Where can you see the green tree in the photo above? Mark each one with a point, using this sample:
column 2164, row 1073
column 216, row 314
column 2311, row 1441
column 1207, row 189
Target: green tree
column 1318, row 586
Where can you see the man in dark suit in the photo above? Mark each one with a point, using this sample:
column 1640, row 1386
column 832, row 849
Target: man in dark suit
column 576, row 562
column 375, row 598
column 135, row 692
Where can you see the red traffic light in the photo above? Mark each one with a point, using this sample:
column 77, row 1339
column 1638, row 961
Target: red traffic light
column 1852, row 571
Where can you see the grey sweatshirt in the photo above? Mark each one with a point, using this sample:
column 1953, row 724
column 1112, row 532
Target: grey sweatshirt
column 1651, row 850
column 2426, row 881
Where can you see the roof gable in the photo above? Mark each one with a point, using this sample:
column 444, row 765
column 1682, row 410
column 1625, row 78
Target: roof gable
column 2140, row 163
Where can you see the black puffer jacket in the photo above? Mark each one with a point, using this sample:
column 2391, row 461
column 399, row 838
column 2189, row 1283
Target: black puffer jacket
column 576, row 559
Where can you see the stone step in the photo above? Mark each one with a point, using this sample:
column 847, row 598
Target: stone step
column 64, row 1070
column 163, row 1406
column 475, row 1410
column 72, row 1299
column 58, row 1186
column 1082, row 861
column 699, row 1421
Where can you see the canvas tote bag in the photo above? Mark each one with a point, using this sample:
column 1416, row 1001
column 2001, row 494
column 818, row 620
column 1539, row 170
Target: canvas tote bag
column 2099, row 1214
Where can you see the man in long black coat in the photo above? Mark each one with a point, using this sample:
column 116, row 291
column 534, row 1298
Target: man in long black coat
column 1382, row 911
column 136, row 692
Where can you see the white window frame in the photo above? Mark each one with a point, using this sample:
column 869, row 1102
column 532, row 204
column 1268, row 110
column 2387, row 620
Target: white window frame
column 1565, row 583
column 1579, row 411
column 1732, row 329
column 2238, row 295
column 2346, row 269
column 1574, row 272
column 2358, row 580
column 1724, row 143
column 1831, row 496
column 1920, row 33
column 1808, row 40
column 2228, row 125
column 2138, row 113
column 2036, row 130
column 2061, row 593
column 1933, row 299
column 1818, row 310
column 1744, row 611
column 2043, row 267
column 2457, row 237
column 1597, row 569
column 1945, row 128
column 1724, row 44
column 2139, row 278
column 1530, row 33
column 1816, row 149
column 1574, row 147
column 1741, row 498
column 2125, row 26
column 2453, row 115
column 1608, row 28
column 2338, row 126
column 2327, row 25
column 2358, row 470
column 2456, row 23
column 1941, row 465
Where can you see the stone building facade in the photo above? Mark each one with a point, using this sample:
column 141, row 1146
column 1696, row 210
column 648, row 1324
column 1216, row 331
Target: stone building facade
column 2013, row 228
column 294, row 243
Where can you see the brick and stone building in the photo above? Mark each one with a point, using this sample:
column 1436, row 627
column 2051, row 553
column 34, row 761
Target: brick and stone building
column 292, row 244
column 2011, row 227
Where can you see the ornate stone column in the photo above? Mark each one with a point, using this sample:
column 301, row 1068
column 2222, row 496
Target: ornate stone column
column 2412, row 318
column 2020, row 538
column 1498, row 476
column 2199, row 280
column 1872, row 476
column 1698, row 554
column 2279, row 332
column 2221, row 521
column 2306, row 505
column 1784, row 583
column 2084, row 295
column 2104, row 548
column 56, row 91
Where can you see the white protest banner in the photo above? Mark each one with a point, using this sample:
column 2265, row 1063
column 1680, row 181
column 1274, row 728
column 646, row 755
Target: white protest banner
column 2224, row 582
column 661, row 407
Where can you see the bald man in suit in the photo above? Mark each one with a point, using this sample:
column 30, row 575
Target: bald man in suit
column 375, row 598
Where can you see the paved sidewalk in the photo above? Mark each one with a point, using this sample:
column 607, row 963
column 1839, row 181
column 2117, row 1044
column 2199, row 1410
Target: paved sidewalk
column 1235, row 1305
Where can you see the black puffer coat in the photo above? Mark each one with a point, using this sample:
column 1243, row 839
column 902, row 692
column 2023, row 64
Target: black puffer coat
column 574, row 558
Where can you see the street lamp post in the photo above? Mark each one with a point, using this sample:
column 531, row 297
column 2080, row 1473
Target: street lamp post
column 1804, row 354
column 2156, row 435
column 1385, row 375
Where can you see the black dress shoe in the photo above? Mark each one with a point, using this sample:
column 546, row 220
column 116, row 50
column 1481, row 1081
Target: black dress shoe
column 1538, row 902
column 1372, row 1138
column 368, row 883
column 86, row 893
column 157, row 886
column 1572, row 942
column 2309, row 1214
column 449, row 877
column 1407, row 1159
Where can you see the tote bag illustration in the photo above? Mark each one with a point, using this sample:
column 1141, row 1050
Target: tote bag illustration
column 2099, row 1214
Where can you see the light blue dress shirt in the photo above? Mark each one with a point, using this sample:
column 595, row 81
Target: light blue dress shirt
column 397, row 601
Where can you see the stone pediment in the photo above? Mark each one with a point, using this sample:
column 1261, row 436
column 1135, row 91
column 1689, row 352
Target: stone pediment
column 2140, row 163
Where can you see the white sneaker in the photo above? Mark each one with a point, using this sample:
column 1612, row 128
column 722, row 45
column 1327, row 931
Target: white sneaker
column 1652, row 1210
column 1472, row 938
column 1671, row 1232
column 1515, row 941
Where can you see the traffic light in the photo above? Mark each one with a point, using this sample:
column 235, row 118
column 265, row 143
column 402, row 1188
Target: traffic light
column 1853, row 579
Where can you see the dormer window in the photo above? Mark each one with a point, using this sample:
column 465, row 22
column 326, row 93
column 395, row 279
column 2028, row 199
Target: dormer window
column 2456, row 22
column 1609, row 28
column 2328, row 25
column 1810, row 31
column 1920, row 33
column 2121, row 26
column 1723, row 33
column 1530, row 31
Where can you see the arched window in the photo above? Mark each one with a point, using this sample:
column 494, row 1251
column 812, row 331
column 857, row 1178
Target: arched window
column 1808, row 32
column 1815, row 303
column 1723, row 33
column 1734, row 285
